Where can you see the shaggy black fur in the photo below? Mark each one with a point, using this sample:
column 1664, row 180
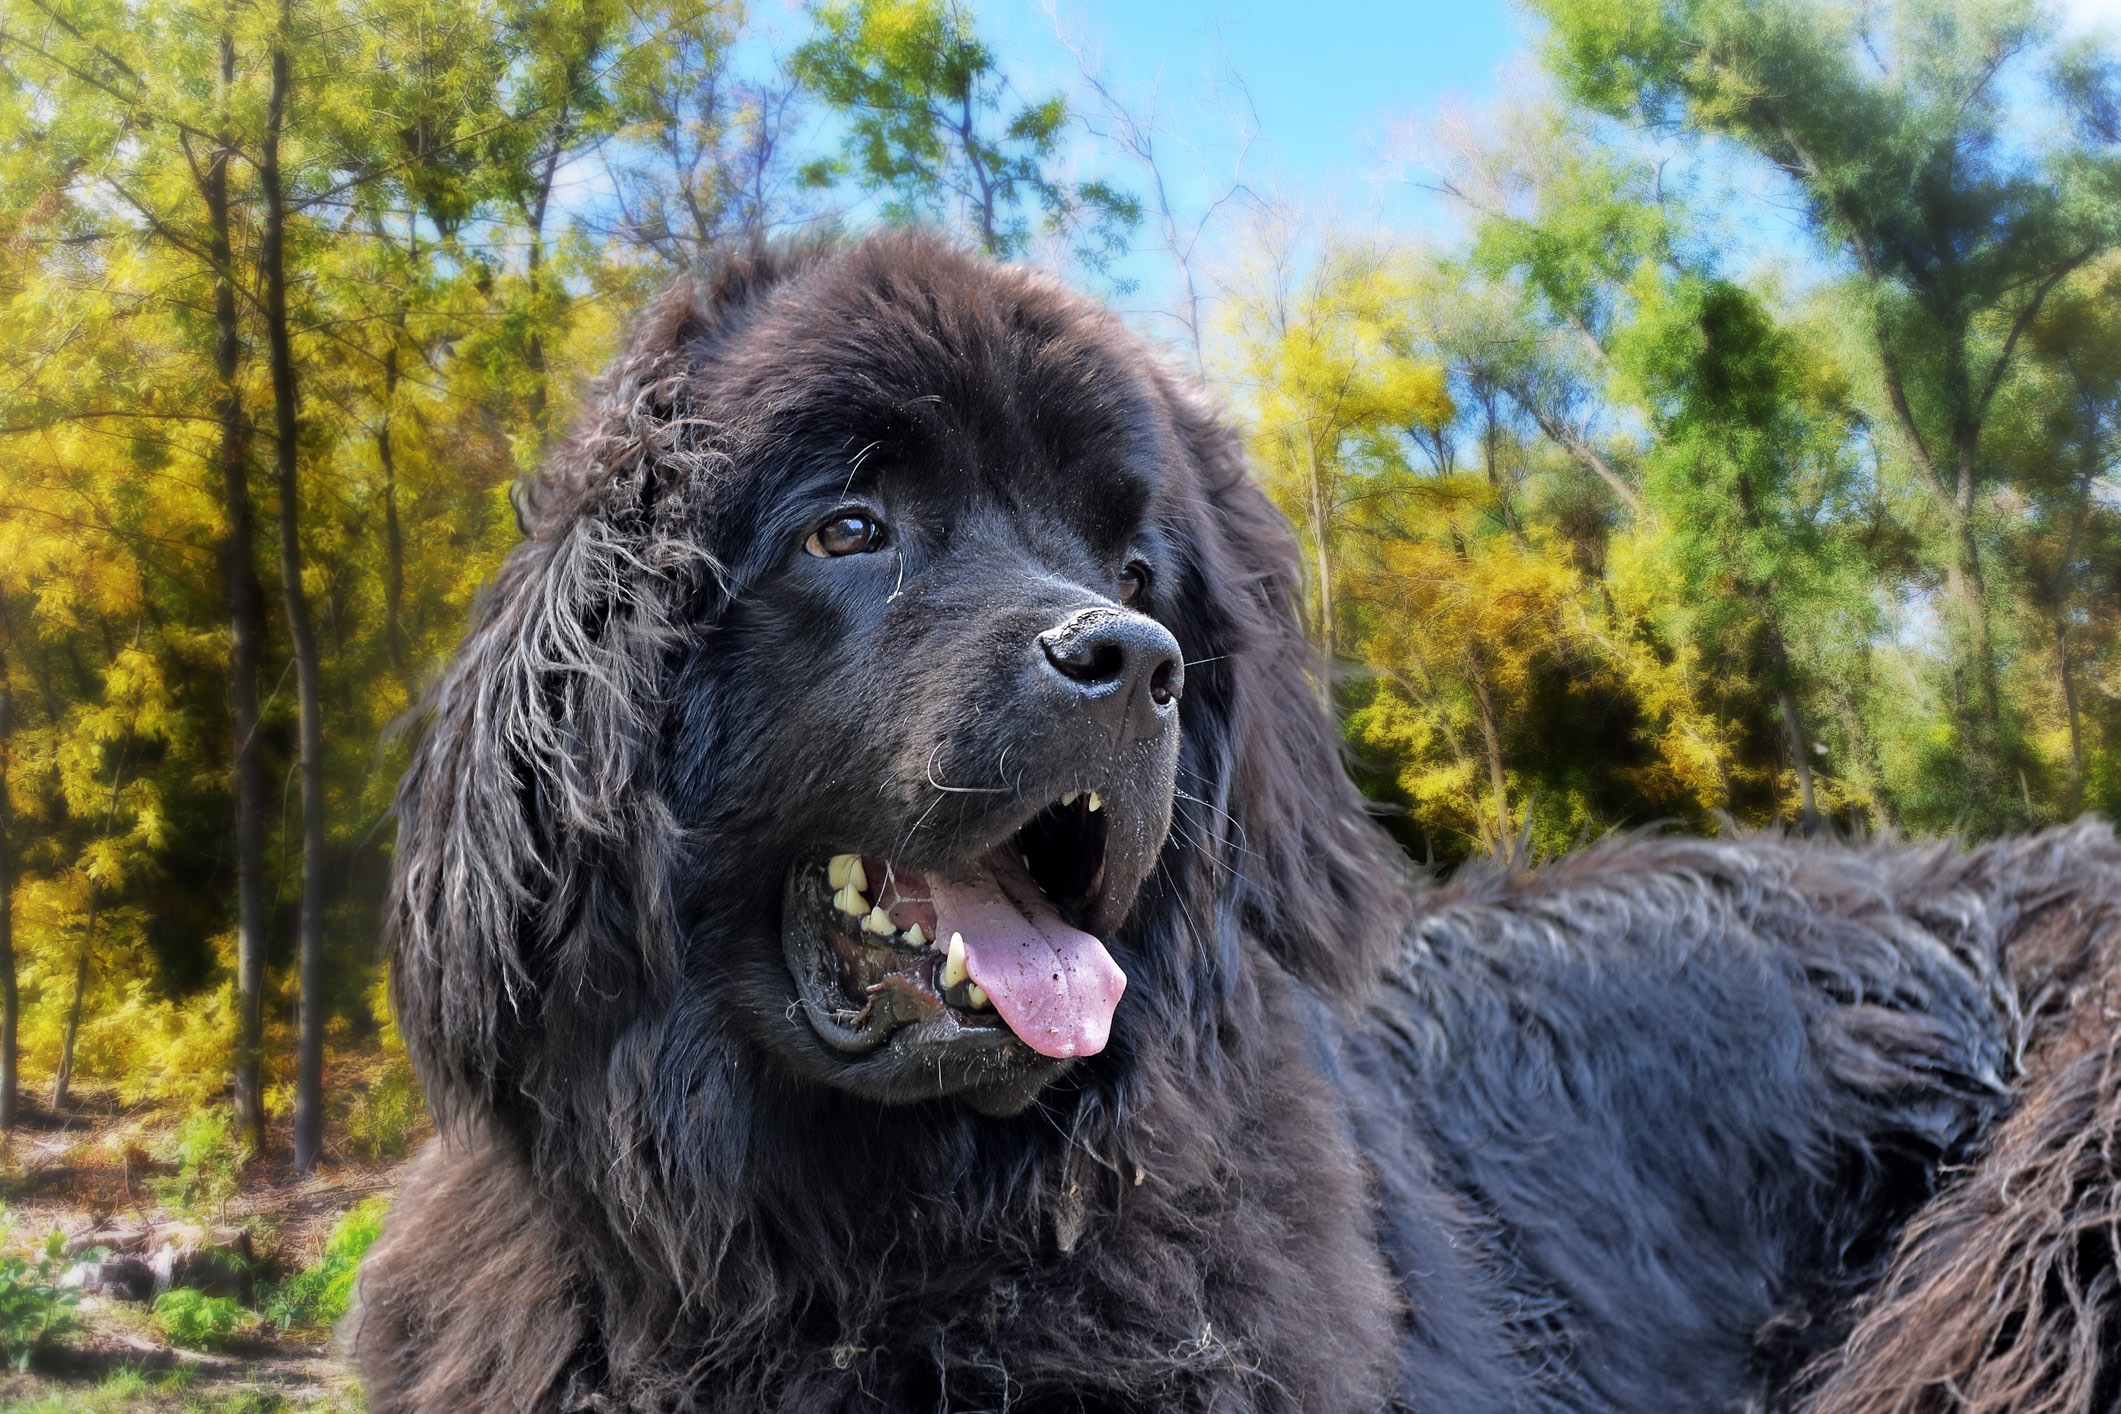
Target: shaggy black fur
column 1637, row 1131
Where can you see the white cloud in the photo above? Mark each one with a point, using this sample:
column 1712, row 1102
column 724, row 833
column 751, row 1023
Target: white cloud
column 2103, row 16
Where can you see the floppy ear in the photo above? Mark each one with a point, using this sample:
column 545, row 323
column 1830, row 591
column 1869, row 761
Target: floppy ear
column 532, row 848
column 1295, row 851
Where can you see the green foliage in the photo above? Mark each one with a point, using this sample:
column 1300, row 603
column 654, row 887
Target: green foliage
column 209, row 1156
column 32, row 1307
column 119, row 1392
column 931, row 128
column 130, row 1391
column 321, row 1293
column 388, row 1112
column 192, row 1319
column 1894, row 127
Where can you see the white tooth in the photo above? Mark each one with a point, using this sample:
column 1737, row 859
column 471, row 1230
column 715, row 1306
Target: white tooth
column 837, row 871
column 857, row 875
column 915, row 938
column 954, row 962
column 849, row 901
column 879, row 923
column 976, row 997
column 1095, row 803
column 1071, row 797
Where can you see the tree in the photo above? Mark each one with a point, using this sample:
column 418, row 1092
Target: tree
column 246, row 614
column 1740, row 462
column 280, row 359
column 1328, row 361
column 2075, row 542
column 10, row 994
column 922, row 97
column 1891, row 124
column 558, row 106
column 700, row 153
column 1137, row 135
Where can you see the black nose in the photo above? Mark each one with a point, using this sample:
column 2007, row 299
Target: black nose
column 1126, row 666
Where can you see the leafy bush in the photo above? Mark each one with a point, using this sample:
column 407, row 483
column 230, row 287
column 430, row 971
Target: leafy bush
column 191, row 1318
column 381, row 1121
column 209, row 1158
column 320, row 1294
column 32, row 1307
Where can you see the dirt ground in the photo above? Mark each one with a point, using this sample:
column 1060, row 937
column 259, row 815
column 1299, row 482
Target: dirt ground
column 91, row 1169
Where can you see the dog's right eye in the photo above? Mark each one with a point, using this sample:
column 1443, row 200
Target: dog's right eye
column 850, row 533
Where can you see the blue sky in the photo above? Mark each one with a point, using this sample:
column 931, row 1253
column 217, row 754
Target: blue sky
column 1329, row 81
column 1327, row 77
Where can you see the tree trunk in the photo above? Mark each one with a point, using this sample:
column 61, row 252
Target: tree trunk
column 1583, row 453
column 1491, row 737
column 393, row 532
column 1322, row 562
column 1792, row 727
column 272, row 260
column 1793, row 732
column 968, row 142
column 1491, row 464
column 533, row 269
column 63, row 1079
column 1969, row 588
column 10, row 999
column 246, row 623
column 2065, row 580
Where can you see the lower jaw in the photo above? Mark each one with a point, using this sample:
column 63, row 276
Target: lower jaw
column 992, row 1075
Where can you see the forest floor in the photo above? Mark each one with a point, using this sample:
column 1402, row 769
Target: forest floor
column 95, row 1169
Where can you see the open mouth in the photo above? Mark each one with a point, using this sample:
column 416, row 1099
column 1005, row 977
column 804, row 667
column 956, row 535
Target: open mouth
column 993, row 952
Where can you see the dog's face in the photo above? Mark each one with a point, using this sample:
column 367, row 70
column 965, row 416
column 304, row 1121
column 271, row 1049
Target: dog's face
column 898, row 666
column 939, row 707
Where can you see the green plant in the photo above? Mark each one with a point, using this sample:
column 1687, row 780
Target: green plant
column 32, row 1307
column 119, row 1392
column 381, row 1121
column 209, row 1158
column 320, row 1293
column 191, row 1318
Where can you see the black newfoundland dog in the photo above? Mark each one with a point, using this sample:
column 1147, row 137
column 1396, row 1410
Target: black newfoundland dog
column 883, row 926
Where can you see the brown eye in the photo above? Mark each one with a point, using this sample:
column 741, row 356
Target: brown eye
column 1133, row 582
column 850, row 534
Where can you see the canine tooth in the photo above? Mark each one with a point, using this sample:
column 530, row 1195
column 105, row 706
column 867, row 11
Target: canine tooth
column 954, row 962
column 915, row 938
column 1095, row 802
column 1071, row 797
column 849, row 901
column 879, row 923
column 975, row 996
column 841, row 868
column 857, row 875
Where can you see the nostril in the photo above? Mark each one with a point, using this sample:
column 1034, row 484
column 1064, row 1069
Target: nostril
column 1087, row 658
column 1164, row 683
column 1106, row 662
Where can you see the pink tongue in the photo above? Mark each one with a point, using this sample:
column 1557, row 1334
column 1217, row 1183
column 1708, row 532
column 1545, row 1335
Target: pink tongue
column 1056, row 986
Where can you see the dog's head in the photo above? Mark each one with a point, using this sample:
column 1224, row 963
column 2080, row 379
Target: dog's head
column 899, row 692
